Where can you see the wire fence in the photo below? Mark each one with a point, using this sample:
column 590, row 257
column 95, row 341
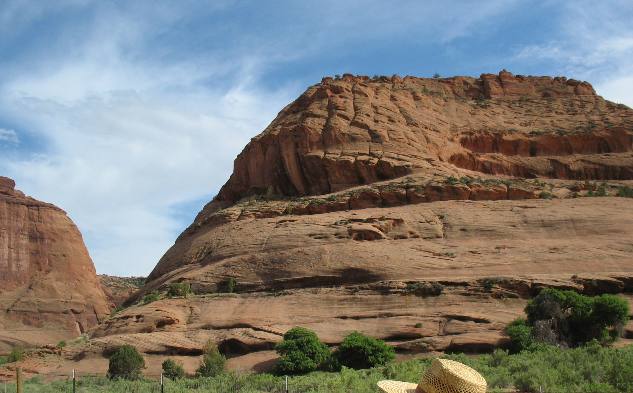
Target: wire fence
column 73, row 382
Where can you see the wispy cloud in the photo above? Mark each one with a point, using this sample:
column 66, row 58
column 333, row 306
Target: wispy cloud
column 8, row 136
column 129, row 138
column 130, row 113
column 594, row 41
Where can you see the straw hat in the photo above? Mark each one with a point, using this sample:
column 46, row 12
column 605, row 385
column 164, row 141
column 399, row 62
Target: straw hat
column 444, row 376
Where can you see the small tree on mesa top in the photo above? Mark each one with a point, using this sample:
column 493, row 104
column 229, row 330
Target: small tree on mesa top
column 126, row 363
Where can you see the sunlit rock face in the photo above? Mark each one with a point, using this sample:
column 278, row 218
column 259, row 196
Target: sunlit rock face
column 421, row 211
column 48, row 285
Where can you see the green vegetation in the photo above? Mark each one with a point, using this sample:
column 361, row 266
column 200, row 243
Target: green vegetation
column 3, row 360
column 567, row 319
column 425, row 289
column 520, row 334
column 151, row 297
column 212, row 361
column 301, row 352
column 61, row 344
column 625, row 192
column 358, row 351
column 545, row 195
column 179, row 289
column 126, row 363
column 16, row 355
column 588, row 369
column 173, row 370
column 228, row 285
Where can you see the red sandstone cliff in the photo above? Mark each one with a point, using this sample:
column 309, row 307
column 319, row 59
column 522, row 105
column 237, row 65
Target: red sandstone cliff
column 364, row 196
column 48, row 286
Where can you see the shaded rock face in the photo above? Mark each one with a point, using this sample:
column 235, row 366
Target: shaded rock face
column 48, row 285
column 425, row 212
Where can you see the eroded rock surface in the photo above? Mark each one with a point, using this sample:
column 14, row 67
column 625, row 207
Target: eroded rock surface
column 425, row 212
column 49, row 290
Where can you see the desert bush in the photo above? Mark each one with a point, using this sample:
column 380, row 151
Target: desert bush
column 301, row 352
column 126, row 363
column 172, row 369
column 588, row 369
column 228, row 285
column 358, row 351
column 213, row 361
column 425, row 289
column 545, row 195
column 151, row 297
column 574, row 318
column 520, row 334
column 625, row 192
column 179, row 289
column 15, row 355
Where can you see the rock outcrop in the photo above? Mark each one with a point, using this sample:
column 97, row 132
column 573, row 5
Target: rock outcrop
column 425, row 212
column 49, row 290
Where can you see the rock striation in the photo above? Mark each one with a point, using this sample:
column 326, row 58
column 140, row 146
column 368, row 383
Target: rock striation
column 49, row 290
column 425, row 212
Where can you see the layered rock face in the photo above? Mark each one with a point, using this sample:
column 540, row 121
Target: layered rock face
column 352, row 131
column 422, row 211
column 49, row 290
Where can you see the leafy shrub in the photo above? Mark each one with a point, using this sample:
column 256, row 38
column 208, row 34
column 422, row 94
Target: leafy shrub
column 452, row 180
column 625, row 192
column 173, row 370
column 358, row 351
column 488, row 284
column 126, row 363
column 179, row 289
column 425, row 289
column 590, row 368
column 520, row 334
column 228, row 285
column 545, row 195
column 61, row 344
column 16, row 355
column 574, row 318
column 212, row 361
column 301, row 352
column 151, row 297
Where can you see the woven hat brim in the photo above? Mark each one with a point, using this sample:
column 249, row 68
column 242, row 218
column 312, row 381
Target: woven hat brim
column 397, row 386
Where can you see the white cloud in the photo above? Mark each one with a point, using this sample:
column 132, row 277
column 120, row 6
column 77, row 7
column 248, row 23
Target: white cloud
column 127, row 140
column 8, row 136
column 594, row 43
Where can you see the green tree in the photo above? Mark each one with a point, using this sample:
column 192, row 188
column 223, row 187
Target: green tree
column 359, row 351
column 301, row 352
column 520, row 334
column 212, row 361
column 172, row 369
column 151, row 297
column 126, row 363
column 179, row 289
column 577, row 318
column 16, row 355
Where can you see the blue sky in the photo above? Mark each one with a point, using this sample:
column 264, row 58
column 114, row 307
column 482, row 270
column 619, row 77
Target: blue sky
column 128, row 114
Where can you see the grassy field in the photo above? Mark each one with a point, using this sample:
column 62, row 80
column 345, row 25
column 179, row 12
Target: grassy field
column 590, row 369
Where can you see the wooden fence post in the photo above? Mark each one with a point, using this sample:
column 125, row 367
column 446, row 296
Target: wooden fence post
column 18, row 380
